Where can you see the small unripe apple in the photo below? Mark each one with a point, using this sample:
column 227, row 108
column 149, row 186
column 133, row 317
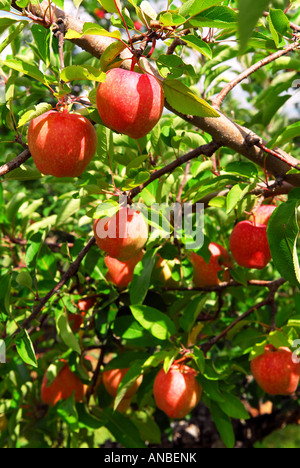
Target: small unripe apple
column 177, row 392
column 112, row 379
column 121, row 273
column 62, row 386
column 123, row 235
column 129, row 102
column 276, row 370
column 249, row 245
column 207, row 274
column 262, row 214
column 61, row 144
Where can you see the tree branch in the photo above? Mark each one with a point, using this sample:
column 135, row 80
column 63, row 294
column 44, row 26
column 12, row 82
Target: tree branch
column 67, row 275
column 207, row 150
column 217, row 101
column 15, row 163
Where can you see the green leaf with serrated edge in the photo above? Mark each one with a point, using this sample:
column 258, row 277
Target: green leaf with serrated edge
column 65, row 332
column 39, row 109
column 80, row 72
column 110, row 54
column 249, row 13
column 199, row 45
column 183, row 100
column 193, row 7
column 282, row 232
column 25, row 348
column 156, row 322
column 223, row 424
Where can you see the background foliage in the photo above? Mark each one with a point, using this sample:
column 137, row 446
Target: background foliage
column 46, row 222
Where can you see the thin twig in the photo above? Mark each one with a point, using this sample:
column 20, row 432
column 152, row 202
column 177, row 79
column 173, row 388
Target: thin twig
column 207, row 150
column 67, row 275
column 217, row 101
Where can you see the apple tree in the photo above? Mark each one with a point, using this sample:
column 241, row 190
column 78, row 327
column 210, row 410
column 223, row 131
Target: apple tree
column 215, row 279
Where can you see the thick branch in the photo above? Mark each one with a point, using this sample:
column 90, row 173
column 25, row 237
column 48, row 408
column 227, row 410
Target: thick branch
column 15, row 163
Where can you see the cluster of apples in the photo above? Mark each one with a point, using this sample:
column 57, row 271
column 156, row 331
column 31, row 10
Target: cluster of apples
column 176, row 392
column 63, row 144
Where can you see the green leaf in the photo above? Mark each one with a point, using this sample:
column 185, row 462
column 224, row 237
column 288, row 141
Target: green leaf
column 42, row 38
column 15, row 32
column 196, row 43
column 65, row 332
column 122, row 428
column 172, row 66
column 220, row 17
column 156, row 322
column 249, row 13
column 37, row 110
column 279, row 24
column 282, row 232
column 110, row 54
column 27, row 69
column 183, row 100
column 110, row 6
column 24, row 279
column 141, row 279
column 223, row 424
column 286, row 134
column 193, row 7
column 233, row 407
column 25, row 348
column 80, row 72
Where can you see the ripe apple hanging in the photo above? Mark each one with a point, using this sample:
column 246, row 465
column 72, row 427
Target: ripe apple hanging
column 61, row 144
column 129, row 102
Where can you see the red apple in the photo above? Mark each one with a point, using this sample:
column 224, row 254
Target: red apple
column 61, row 144
column 138, row 25
column 112, row 379
column 62, row 386
column 123, row 235
column 249, row 245
column 86, row 304
column 99, row 12
column 121, row 273
column 129, row 102
column 262, row 214
column 177, row 392
column 206, row 274
column 275, row 371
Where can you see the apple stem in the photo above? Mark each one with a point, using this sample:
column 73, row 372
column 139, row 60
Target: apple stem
column 122, row 17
